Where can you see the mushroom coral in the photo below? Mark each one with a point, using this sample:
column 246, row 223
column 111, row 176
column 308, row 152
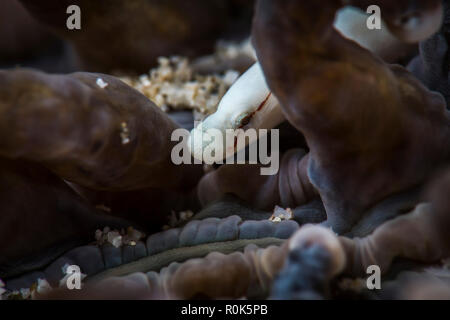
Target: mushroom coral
column 123, row 257
column 110, row 142
column 316, row 255
column 302, row 267
column 421, row 236
column 250, row 104
column 239, row 274
column 217, row 275
column 290, row 187
column 372, row 129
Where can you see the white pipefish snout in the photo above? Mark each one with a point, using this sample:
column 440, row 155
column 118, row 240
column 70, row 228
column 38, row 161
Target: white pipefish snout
column 248, row 105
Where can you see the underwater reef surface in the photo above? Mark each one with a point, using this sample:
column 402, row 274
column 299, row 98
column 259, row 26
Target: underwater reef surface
column 86, row 170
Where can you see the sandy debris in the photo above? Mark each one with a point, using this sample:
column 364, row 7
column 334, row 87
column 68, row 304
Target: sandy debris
column 227, row 55
column 279, row 214
column 102, row 84
column 228, row 50
column 175, row 219
column 22, row 294
column 173, row 85
column 124, row 133
column 40, row 287
column 118, row 238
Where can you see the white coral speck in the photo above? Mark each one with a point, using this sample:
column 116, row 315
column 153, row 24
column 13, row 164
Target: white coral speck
column 102, row 84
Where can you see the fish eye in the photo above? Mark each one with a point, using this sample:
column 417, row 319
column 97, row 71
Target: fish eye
column 243, row 120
